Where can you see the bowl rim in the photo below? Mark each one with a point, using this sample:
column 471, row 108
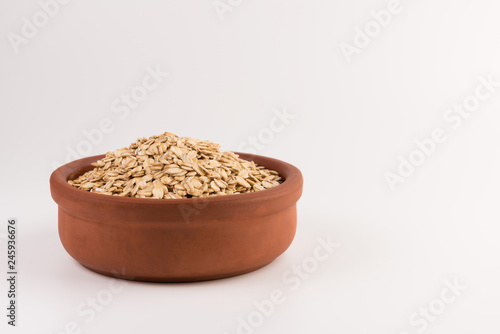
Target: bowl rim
column 291, row 174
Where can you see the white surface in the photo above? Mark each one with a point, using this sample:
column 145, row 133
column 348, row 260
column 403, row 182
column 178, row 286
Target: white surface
column 352, row 122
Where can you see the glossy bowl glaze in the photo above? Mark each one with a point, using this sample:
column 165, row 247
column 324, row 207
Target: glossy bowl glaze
column 176, row 240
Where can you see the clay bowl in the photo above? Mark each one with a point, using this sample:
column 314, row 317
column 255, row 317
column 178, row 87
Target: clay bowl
column 176, row 240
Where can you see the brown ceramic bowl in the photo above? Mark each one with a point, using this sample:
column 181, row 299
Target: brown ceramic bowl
column 176, row 240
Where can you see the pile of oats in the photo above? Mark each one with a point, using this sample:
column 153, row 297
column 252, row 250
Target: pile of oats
column 169, row 166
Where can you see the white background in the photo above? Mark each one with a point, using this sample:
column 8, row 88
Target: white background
column 352, row 120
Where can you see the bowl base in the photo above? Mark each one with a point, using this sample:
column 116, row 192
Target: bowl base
column 166, row 279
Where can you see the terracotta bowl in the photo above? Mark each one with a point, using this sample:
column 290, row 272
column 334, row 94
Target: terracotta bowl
column 176, row 240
